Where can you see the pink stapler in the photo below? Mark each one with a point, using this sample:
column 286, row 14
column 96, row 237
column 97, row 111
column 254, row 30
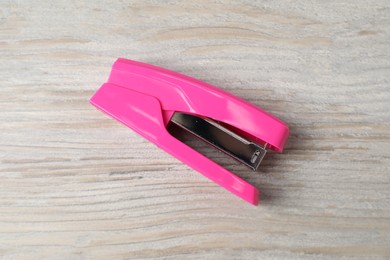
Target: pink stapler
column 149, row 99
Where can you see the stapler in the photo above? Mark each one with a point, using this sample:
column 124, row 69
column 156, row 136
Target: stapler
column 148, row 99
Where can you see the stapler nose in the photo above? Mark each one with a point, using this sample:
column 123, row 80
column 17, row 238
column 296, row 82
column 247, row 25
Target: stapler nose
column 243, row 150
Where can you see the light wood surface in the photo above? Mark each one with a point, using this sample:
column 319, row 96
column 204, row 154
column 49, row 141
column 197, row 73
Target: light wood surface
column 76, row 184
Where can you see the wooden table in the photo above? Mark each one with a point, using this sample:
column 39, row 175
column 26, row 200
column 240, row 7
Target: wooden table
column 76, row 184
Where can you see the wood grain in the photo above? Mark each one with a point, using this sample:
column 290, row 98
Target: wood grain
column 75, row 184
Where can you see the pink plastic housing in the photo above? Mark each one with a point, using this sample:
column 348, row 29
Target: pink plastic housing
column 144, row 98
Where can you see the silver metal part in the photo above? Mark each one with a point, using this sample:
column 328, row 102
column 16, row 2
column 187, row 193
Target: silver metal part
column 241, row 149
